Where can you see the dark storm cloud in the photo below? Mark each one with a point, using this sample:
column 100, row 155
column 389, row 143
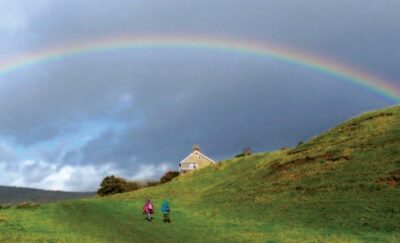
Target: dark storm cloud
column 224, row 111
column 150, row 106
column 342, row 29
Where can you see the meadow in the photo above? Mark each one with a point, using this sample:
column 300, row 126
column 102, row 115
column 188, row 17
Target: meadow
column 340, row 186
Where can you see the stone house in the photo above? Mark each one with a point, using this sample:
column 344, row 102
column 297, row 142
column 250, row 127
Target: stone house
column 194, row 161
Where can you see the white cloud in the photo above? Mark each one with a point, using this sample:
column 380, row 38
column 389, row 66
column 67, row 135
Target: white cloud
column 7, row 153
column 78, row 178
column 45, row 175
column 53, row 175
column 150, row 171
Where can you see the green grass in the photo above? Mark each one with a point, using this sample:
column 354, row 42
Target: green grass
column 341, row 186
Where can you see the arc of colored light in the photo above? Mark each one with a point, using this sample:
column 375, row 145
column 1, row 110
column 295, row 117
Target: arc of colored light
column 283, row 54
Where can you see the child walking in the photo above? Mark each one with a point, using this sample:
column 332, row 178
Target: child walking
column 148, row 209
column 166, row 210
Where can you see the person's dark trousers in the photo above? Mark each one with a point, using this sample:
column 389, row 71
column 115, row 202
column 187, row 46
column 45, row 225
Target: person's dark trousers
column 166, row 218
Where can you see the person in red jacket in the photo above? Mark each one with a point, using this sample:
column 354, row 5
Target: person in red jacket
column 148, row 209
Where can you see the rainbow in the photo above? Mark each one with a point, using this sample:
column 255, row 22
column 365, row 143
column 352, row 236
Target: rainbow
column 272, row 51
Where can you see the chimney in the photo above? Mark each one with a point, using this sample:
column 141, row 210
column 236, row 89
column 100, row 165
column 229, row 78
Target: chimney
column 196, row 147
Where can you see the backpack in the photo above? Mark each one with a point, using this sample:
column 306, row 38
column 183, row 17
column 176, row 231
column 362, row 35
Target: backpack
column 165, row 207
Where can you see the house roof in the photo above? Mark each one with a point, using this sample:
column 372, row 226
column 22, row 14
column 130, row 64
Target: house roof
column 199, row 153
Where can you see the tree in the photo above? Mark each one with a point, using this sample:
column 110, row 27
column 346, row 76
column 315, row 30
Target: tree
column 112, row 185
column 168, row 176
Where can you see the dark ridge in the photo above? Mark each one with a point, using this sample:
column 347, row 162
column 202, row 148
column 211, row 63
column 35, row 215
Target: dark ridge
column 11, row 195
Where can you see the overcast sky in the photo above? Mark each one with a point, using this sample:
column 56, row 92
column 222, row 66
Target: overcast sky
column 68, row 123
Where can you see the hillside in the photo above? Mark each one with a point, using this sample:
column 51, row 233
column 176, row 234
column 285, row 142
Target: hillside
column 19, row 194
column 343, row 185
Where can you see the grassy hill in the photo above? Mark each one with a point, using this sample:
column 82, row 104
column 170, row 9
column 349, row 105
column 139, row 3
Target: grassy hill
column 20, row 194
column 343, row 185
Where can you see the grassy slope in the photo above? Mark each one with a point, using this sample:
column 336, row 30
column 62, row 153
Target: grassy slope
column 340, row 186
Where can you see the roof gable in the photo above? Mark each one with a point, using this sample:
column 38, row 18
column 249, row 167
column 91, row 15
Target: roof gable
column 196, row 152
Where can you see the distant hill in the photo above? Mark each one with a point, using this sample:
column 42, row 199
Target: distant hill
column 340, row 186
column 20, row 194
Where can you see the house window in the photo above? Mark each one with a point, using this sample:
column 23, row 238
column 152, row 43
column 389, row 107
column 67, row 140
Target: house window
column 192, row 166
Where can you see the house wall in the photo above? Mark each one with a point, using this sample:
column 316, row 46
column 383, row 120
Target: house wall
column 196, row 158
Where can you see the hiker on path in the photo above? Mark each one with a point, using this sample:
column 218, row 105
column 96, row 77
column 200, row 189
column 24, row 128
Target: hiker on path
column 165, row 210
column 148, row 209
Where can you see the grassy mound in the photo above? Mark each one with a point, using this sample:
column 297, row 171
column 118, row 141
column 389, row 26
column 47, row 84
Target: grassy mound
column 343, row 185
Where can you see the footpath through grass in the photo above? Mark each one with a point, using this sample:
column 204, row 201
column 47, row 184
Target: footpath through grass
column 342, row 186
column 121, row 221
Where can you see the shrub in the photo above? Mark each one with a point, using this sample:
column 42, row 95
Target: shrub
column 5, row 206
column 245, row 152
column 151, row 183
column 26, row 205
column 168, row 176
column 134, row 185
column 112, row 185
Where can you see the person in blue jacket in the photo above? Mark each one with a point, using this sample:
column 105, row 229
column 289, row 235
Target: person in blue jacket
column 166, row 210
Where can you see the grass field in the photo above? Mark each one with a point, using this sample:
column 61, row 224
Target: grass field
column 341, row 186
